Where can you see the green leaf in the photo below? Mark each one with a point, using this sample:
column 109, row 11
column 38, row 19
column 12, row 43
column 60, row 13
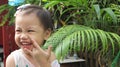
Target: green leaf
column 77, row 37
column 111, row 13
column 51, row 4
column 103, row 40
column 111, row 42
column 97, row 9
column 116, row 60
column 95, row 39
column 87, row 40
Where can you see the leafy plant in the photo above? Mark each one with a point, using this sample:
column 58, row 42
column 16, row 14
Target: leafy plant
column 116, row 9
column 117, row 58
column 95, row 15
column 106, row 19
column 78, row 37
column 8, row 14
column 9, row 10
column 92, row 13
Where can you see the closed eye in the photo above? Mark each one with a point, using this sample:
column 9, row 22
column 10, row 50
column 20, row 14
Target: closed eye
column 31, row 31
column 17, row 30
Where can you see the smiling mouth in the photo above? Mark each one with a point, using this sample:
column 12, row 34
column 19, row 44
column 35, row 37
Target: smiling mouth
column 27, row 45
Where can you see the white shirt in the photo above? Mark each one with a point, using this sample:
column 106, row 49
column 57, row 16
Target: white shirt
column 22, row 61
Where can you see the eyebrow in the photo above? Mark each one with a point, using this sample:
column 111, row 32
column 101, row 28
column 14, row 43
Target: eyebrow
column 29, row 27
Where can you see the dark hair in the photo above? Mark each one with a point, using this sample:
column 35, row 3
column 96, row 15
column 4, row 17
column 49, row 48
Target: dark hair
column 42, row 14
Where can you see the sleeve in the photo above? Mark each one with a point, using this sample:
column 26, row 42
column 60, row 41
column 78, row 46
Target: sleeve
column 55, row 64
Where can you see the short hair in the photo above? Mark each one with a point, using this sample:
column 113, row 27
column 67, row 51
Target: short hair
column 42, row 14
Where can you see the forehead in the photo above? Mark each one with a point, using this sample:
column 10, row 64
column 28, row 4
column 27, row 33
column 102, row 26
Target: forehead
column 27, row 20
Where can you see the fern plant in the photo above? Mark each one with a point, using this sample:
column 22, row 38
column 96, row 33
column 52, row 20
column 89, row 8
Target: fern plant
column 92, row 13
column 82, row 38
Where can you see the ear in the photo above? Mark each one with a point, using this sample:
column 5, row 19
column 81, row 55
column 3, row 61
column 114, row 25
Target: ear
column 47, row 34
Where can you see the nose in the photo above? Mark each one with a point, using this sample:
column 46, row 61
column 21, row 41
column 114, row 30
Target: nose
column 24, row 36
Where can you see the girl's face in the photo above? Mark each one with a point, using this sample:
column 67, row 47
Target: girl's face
column 28, row 27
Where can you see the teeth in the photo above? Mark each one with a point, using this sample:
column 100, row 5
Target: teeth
column 25, row 43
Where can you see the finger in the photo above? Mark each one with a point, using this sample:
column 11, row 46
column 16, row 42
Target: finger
column 35, row 44
column 49, row 50
column 27, row 51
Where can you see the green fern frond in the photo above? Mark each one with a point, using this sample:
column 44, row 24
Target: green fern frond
column 78, row 37
column 61, row 34
column 116, row 60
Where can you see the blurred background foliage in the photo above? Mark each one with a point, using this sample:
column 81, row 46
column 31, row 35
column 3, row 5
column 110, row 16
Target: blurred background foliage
column 102, row 14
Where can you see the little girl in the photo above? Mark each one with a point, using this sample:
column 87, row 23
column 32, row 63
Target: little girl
column 33, row 25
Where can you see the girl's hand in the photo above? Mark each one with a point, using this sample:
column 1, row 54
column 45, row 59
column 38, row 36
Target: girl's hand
column 41, row 56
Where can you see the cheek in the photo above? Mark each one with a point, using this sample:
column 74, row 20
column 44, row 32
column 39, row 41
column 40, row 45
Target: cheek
column 17, row 38
column 40, row 42
column 39, row 39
